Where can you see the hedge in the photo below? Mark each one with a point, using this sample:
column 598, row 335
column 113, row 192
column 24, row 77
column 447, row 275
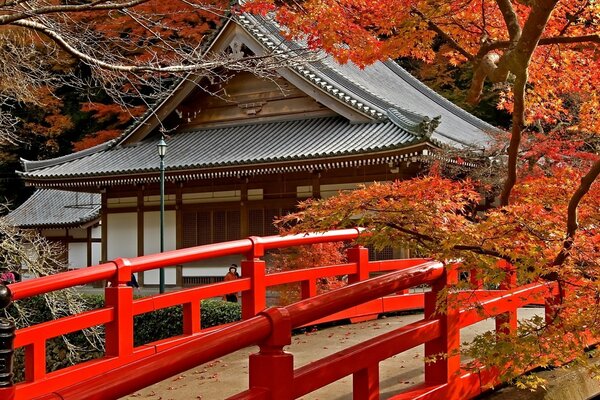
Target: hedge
column 148, row 327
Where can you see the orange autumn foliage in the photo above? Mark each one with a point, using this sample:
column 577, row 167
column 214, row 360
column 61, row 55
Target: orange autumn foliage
column 565, row 61
column 541, row 58
column 301, row 257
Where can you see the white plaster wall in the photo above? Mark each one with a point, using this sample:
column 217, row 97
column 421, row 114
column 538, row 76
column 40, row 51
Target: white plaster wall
column 97, row 232
column 152, row 244
column 213, row 267
column 96, row 253
column 122, row 235
column 77, row 255
column 151, row 277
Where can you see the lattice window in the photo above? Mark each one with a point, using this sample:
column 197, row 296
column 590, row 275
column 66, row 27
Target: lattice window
column 234, row 226
column 270, row 215
column 219, row 226
column 190, row 231
column 256, row 222
column 260, row 221
column 204, row 228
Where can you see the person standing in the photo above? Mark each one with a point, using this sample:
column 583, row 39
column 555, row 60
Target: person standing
column 133, row 282
column 231, row 276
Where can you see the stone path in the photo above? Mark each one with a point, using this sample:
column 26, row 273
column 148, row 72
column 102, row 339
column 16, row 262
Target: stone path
column 229, row 375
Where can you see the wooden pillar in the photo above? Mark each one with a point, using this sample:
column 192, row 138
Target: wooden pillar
column 316, row 185
column 104, row 231
column 89, row 246
column 179, row 231
column 244, row 217
column 104, row 228
column 140, row 229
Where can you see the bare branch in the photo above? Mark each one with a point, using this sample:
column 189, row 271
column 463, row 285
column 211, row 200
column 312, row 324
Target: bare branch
column 94, row 6
column 445, row 36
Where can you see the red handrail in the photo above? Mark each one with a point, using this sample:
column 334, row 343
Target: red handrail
column 131, row 368
column 139, row 374
column 108, row 270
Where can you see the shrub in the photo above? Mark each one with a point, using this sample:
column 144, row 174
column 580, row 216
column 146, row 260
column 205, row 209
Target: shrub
column 218, row 312
column 170, row 320
column 148, row 327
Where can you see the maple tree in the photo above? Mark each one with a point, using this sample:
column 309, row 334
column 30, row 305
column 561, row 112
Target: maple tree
column 542, row 59
column 133, row 49
column 300, row 257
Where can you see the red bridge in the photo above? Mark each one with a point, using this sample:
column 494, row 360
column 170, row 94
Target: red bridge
column 125, row 368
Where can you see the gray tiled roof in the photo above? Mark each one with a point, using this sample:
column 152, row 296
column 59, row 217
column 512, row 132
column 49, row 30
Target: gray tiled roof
column 51, row 208
column 386, row 94
column 248, row 146
column 379, row 87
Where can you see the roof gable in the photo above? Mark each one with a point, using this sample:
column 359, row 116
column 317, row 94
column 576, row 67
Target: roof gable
column 359, row 95
column 381, row 93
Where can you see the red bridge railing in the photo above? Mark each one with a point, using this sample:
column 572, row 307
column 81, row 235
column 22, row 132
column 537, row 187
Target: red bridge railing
column 126, row 368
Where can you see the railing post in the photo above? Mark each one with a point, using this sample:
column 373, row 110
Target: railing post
column 272, row 368
column 360, row 256
column 119, row 332
column 191, row 317
column 365, row 383
column 553, row 303
column 7, row 337
column 475, row 280
column 442, row 364
column 308, row 289
column 255, row 299
column 506, row 323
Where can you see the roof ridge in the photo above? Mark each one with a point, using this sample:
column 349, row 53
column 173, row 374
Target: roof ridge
column 310, row 70
column 436, row 97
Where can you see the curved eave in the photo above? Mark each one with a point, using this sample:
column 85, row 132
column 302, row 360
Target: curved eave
column 29, row 165
column 185, row 173
column 79, row 224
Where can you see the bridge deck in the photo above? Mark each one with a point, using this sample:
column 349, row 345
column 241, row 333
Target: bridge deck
column 229, row 375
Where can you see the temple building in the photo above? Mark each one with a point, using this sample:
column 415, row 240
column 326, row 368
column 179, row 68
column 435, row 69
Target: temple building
column 243, row 151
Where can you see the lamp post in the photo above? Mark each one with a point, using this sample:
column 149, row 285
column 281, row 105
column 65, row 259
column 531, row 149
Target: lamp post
column 162, row 151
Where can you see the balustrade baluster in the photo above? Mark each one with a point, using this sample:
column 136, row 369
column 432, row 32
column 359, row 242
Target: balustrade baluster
column 255, row 299
column 119, row 332
column 506, row 323
column 272, row 368
column 360, row 256
column 443, row 354
column 308, row 288
column 191, row 318
column 365, row 383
